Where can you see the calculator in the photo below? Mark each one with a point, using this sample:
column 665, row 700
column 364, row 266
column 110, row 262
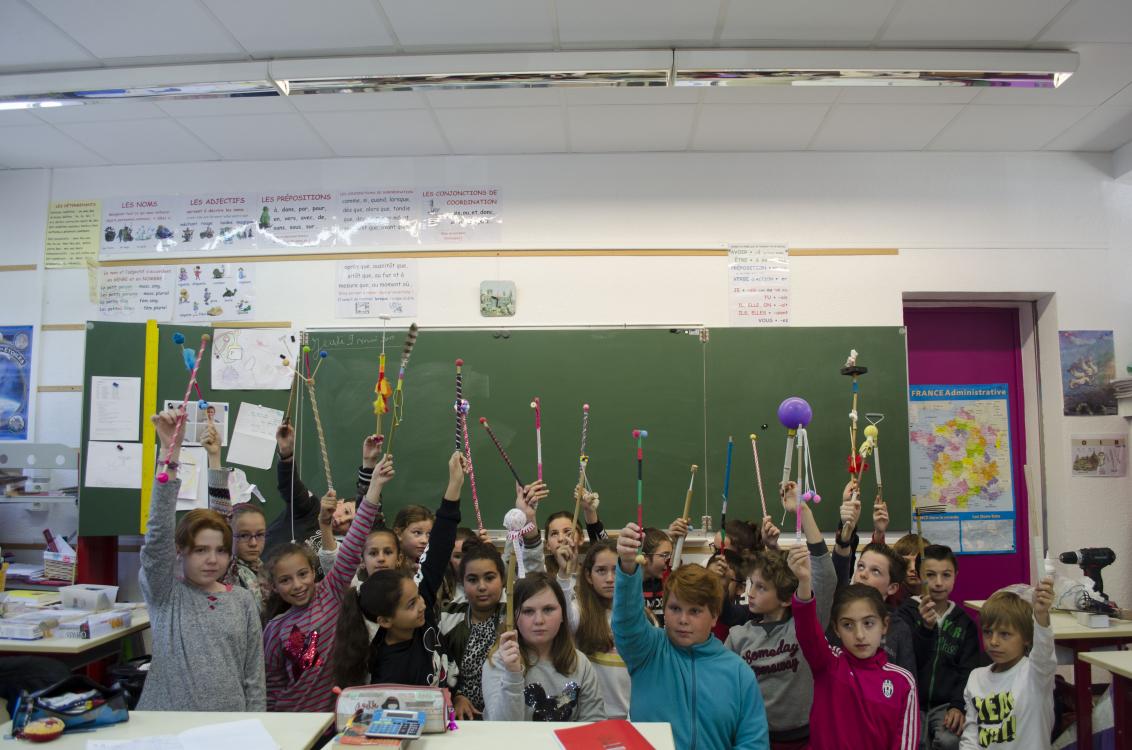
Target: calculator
column 405, row 725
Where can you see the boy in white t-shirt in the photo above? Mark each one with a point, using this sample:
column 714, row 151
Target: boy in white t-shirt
column 1010, row 703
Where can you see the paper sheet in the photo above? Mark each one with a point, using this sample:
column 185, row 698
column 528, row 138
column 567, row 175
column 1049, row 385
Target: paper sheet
column 194, row 479
column 158, row 742
column 253, row 358
column 113, row 465
column 253, row 440
column 197, row 420
column 115, row 405
column 249, row 734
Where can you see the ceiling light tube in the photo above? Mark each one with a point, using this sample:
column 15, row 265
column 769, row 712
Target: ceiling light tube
column 475, row 71
column 798, row 67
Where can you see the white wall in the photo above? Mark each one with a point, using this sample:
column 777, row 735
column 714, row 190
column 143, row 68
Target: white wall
column 1030, row 226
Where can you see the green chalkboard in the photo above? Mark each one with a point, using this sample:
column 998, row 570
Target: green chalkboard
column 652, row 379
column 690, row 395
column 118, row 350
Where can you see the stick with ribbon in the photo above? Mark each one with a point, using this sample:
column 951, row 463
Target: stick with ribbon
column 192, row 363
column 794, row 414
column 381, row 390
column 398, row 392
column 465, row 407
column 517, row 526
column 583, row 459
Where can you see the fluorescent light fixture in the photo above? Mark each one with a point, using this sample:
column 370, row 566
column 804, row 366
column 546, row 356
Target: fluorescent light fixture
column 475, row 71
column 796, row 67
column 521, row 70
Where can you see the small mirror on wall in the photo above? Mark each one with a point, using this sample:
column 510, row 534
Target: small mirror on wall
column 497, row 299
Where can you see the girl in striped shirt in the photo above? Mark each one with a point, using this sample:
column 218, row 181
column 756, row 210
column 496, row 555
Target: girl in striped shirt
column 299, row 639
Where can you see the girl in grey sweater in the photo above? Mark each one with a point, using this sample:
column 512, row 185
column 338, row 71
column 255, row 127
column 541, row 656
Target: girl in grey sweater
column 535, row 673
column 207, row 642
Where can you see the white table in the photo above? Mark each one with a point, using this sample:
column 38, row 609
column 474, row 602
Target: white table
column 493, row 735
column 77, row 652
column 296, row 731
column 1119, row 664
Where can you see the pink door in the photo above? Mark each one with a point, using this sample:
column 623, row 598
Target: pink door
column 966, row 345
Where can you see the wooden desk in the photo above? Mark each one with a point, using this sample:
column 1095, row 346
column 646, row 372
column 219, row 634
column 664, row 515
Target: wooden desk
column 297, row 731
column 1119, row 664
column 492, row 735
column 1081, row 639
column 77, row 652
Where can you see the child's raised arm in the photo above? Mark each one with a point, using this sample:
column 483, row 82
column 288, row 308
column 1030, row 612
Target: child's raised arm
column 443, row 536
column 637, row 641
column 789, row 494
column 159, row 552
column 595, row 530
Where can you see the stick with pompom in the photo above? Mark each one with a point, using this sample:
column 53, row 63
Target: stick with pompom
column 517, row 526
column 194, row 360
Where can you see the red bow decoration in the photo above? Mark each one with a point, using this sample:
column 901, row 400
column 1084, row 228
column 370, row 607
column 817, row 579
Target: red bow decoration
column 857, row 465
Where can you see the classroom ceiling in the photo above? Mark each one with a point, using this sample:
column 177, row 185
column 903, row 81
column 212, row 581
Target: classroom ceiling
column 1090, row 112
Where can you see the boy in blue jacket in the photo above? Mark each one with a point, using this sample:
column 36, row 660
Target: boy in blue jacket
column 682, row 674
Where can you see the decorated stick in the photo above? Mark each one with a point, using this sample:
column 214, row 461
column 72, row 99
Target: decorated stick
column 517, row 525
column 687, row 509
column 537, row 406
column 465, row 407
column 872, row 433
column 583, row 459
column 758, row 472
column 856, row 461
column 798, row 492
column 726, row 490
column 511, row 592
column 640, row 435
column 459, row 400
column 793, row 413
column 398, row 392
column 503, row 453
column 167, row 462
column 318, row 423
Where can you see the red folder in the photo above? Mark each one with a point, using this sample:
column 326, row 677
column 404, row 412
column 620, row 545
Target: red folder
column 611, row 734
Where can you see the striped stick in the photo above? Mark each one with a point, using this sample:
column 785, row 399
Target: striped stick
column 503, row 453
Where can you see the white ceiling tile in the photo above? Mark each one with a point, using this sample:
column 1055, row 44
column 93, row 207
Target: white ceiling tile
column 767, row 94
column 139, row 141
column 250, row 137
column 631, row 127
column 124, row 29
column 501, row 130
column 965, row 22
column 634, row 21
column 100, row 112
column 461, row 24
column 292, row 28
column 631, row 95
column 1093, row 21
column 1104, row 129
column 1121, row 99
column 907, row 94
column 1104, row 70
column 833, row 21
column 406, row 132
column 544, row 97
column 757, row 127
column 30, row 42
column 353, row 102
column 18, row 117
column 1014, row 128
column 882, row 127
column 236, row 105
column 28, row 146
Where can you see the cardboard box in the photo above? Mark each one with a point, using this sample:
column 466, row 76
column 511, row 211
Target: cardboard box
column 89, row 596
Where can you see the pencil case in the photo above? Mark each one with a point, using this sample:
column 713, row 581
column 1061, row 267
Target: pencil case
column 358, row 704
column 78, row 701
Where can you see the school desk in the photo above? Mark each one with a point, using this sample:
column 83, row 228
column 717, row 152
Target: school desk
column 1080, row 639
column 297, row 731
column 1119, row 664
column 77, row 652
column 493, row 735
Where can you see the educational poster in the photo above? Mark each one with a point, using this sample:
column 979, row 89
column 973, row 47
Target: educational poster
column 115, row 405
column 959, row 445
column 72, row 234
column 140, row 224
column 135, row 294
column 15, row 381
column 1088, row 367
column 1099, row 455
column 294, row 219
column 214, row 291
column 198, row 420
column 371, row 288
column 253, row 359
column 758, row 285
column 456, row 215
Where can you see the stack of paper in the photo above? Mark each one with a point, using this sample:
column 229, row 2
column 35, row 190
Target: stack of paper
column 1122, row 387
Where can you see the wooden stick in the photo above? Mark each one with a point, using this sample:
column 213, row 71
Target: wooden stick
column 582, row 461
column 687, row 509
column 511, row 591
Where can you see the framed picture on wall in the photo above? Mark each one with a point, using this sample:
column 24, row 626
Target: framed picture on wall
column 497, row 299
